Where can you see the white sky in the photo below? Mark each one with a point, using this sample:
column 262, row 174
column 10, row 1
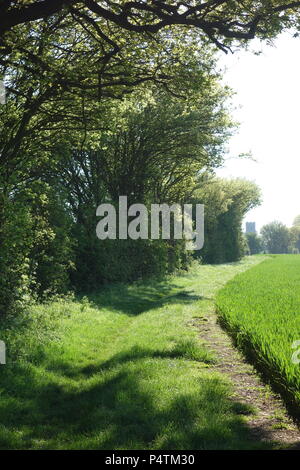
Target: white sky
column 268, row 101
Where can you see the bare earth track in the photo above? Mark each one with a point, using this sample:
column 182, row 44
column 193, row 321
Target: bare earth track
column 270, row 422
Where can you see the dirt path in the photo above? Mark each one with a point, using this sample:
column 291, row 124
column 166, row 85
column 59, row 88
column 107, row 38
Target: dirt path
column 270, row 421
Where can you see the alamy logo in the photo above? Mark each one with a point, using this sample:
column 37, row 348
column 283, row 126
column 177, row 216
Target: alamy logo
column 157, row 224
column 2, row 353
column 2, row 92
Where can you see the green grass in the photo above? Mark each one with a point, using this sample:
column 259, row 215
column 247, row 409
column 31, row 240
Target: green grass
column 261, row 308
column 124, row 369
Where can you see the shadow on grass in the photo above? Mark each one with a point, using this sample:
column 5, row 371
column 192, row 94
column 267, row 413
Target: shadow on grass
column 117, row 408
column 120, row 412
column 134, row 301
column 186, row 349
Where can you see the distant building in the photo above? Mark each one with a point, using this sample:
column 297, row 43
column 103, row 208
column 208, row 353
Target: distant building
column 250, row 227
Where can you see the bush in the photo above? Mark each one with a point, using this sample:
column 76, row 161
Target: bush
column 103, row 261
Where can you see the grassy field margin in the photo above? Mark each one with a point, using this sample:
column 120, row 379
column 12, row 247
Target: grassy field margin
column 123, row 369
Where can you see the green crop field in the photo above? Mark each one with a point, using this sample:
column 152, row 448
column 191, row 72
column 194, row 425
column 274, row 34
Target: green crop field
column 261, row 308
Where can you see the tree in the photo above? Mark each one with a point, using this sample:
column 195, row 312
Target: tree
column 220, row 20
column 152, row 152
column 226, row 202
column 153, row 148
column 254, row 243
column 65, row 116
column 275, row 237
column 296, row 222
column 69, row 67
column 36, row 247
column 295, row 236
column 61, row 80
column 123, row 43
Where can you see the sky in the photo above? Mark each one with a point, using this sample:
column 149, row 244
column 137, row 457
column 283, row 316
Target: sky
column 267, row 103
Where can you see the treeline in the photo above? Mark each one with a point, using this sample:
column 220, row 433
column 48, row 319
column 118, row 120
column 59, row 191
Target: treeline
column 86, row 122
column 275, row 238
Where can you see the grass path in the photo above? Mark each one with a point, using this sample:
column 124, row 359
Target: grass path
column 135, row 367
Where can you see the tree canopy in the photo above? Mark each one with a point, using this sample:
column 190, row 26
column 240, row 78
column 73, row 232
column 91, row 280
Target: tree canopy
column 275, row 237
column 105, row 99
column 226, row 203
column 296, row 222
column 220, row 20
column 254, row 243
column 105, row 47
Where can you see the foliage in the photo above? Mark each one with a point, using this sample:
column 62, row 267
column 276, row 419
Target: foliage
column 53, row 261
column 294, row 246
column 63, row 152
column 221, row 21
column 94, row 111
column 226, row 203
column 16, row 237
column 275, row 237
column 254, row 243
column 261, row 309
column 153, row 146
column 35, row 246
column 152, row 151
column 296, row 222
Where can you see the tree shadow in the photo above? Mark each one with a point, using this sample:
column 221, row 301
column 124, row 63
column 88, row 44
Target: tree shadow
column 187, row 349
column 133, row 301
column 116, row 408
column 119, row 412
